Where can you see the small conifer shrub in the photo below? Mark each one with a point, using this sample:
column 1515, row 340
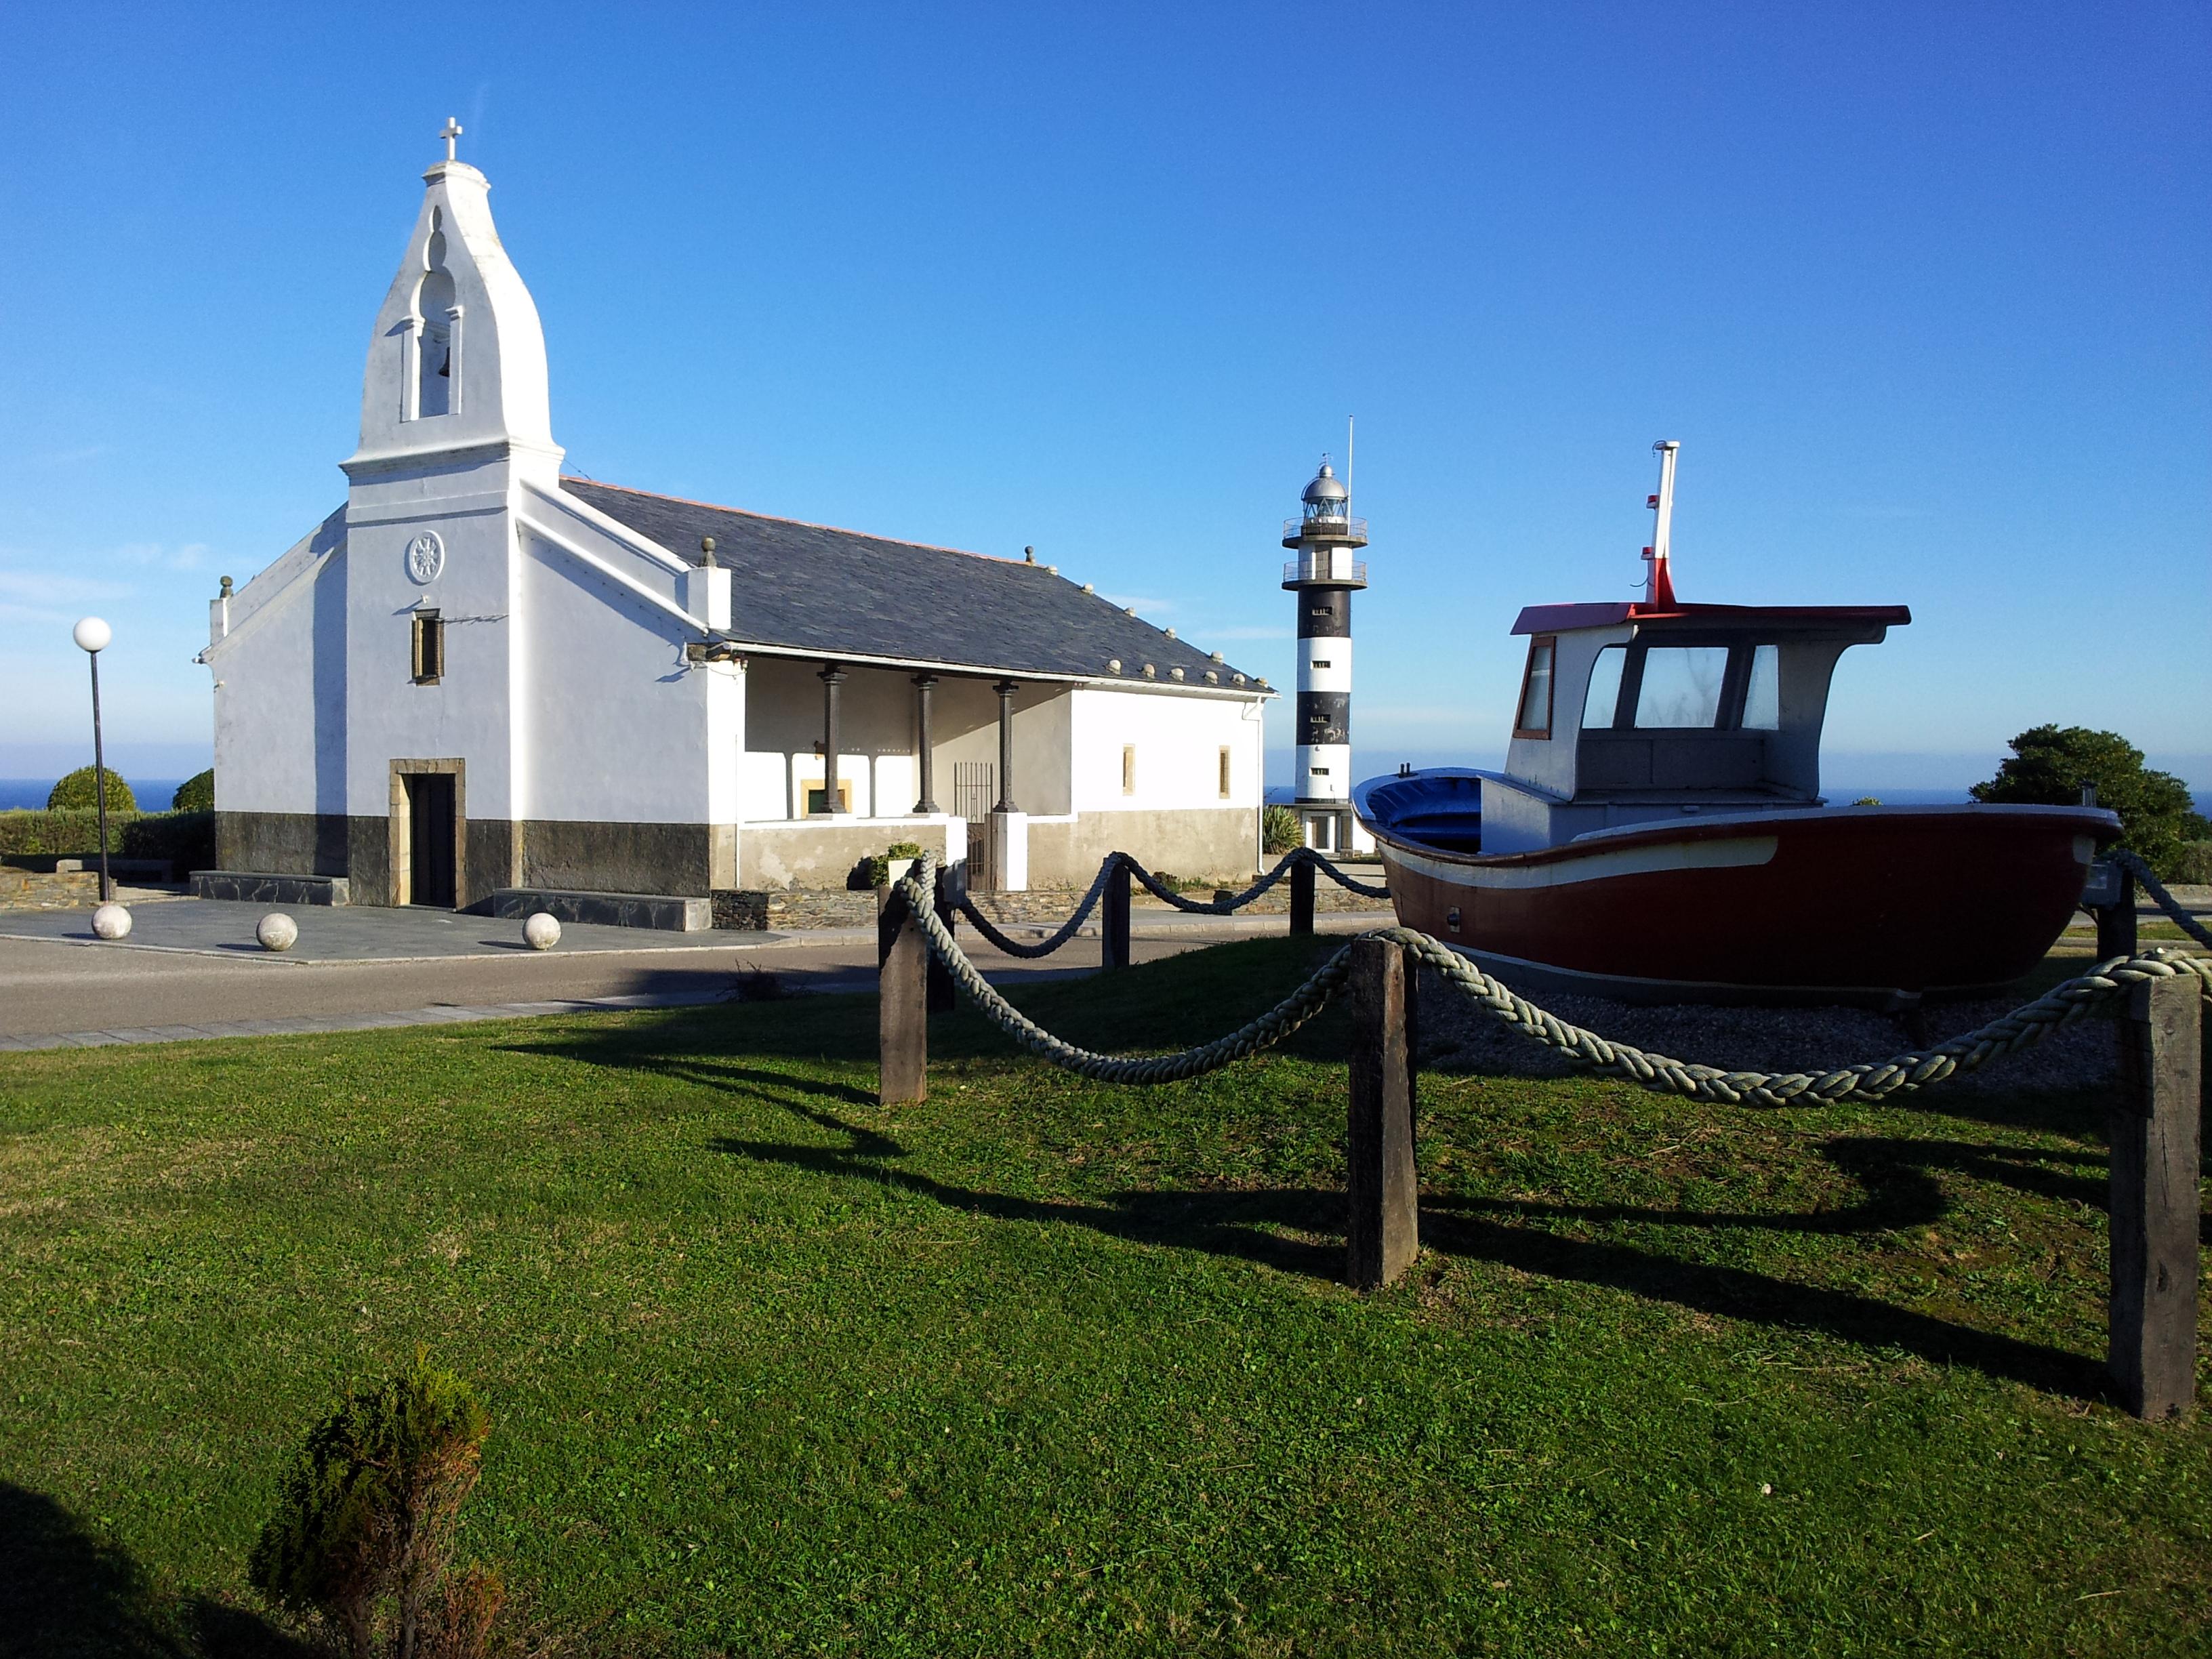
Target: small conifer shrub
column 363, row 1535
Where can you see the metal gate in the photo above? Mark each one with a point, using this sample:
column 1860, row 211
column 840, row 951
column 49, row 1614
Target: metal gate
column 974, row 790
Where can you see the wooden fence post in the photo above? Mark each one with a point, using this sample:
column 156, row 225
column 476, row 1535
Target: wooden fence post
column 1383, row 1187
column 2116, row 922
column 1114, row 918
column 1301, row 896
column 942, row 997
column 2154, row 1205
column 901, row 1003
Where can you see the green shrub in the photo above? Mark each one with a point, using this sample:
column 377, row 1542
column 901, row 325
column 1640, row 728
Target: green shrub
column 80, row 792
column 195, row 794
column 186, row 840
column 880, row 866
column 2049, row 765
column 1279, row 830
column 363, row 1534
column 2192, row 864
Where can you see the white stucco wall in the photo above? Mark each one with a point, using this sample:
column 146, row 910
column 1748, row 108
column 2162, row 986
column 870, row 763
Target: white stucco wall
column 618, row 721
column 280, row 692
column 1178, row 741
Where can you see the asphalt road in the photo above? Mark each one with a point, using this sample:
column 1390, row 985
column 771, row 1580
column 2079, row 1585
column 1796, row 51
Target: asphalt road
column 190, row 968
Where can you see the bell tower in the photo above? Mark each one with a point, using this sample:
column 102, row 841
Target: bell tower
column 455, row 437
column 456, row 361
column 1324, row 577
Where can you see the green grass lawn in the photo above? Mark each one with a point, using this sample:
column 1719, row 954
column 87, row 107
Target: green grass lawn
column 1045, row 1367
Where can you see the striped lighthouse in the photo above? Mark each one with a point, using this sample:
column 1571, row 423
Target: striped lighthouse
column 1325, row 535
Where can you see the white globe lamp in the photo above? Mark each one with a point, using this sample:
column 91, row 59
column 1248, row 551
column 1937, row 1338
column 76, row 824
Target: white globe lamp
column 92, row 636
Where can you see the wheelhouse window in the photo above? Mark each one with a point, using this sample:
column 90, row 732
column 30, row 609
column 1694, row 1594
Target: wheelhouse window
column 1603, row 698
column 429, row 653
column 1534, row 720
column 1681, row 687
column 1762, row 695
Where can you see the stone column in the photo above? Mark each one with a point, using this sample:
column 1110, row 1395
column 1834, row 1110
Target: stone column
column 1006, row 688
column 832, row 677
column 926, row 804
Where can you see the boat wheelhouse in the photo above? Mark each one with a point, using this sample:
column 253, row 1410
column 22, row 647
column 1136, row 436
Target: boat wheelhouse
column 1659, row 829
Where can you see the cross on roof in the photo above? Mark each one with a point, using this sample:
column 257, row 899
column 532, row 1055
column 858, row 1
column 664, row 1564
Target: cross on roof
column 452, row 130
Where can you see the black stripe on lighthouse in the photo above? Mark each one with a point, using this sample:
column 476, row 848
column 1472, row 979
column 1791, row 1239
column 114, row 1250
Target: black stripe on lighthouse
column 1325, row 614
column 1324, row 717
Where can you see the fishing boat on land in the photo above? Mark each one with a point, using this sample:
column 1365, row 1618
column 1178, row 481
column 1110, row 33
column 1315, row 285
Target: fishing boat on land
column 1659, row 832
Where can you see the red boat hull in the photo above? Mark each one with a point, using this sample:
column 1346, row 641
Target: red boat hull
column 1839, row 902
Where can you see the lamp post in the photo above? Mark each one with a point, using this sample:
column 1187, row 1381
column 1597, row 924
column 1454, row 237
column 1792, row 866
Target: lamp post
column 92, row 636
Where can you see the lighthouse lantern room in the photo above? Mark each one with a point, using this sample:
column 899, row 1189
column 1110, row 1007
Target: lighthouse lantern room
column 1323, row 577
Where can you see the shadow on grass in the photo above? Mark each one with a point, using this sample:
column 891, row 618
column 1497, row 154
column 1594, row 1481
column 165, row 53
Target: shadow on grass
column 64, row 1593
column 1221, row 1223
column 1901, row 1191
column 1173, row 1003
column 1243, row 1224
column 1759, row 1298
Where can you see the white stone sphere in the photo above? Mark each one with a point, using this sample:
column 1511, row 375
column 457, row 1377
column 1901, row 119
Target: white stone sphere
column 111, row 921
column 92, row 634
column 277, row 932
column 542, row 931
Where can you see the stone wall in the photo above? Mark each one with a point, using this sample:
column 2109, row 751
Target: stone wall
column 754, row 909
column 818, row 856
column 282, row 843
column 46, row 890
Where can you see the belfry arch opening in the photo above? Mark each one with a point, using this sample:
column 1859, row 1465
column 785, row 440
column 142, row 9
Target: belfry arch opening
column 437, row 355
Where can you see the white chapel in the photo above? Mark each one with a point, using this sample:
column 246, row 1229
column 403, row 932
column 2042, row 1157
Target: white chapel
column 479, row 683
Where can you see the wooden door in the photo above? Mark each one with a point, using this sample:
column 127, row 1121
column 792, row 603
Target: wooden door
column 430, row 839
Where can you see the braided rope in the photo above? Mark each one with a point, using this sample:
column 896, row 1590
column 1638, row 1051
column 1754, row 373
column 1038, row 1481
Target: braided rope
column 1867, row 1083
column 1349, row 883
column 1269, row 1029
column 1066, row 931
column 1871, row 1082
column 1290, row 861
column 2176, row 912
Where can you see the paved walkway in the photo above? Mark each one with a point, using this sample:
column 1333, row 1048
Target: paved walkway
column 191, row 969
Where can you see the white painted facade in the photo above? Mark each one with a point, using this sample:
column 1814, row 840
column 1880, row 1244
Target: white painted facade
column 575, row 692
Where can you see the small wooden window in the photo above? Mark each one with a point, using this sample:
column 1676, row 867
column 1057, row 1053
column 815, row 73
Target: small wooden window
column 1534, row 720
column 817, row 797
column 1128, row 768
column 430, row 647
column 1225, row 771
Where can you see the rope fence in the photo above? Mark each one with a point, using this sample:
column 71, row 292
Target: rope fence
column 1300, row 865
column 2162, row 991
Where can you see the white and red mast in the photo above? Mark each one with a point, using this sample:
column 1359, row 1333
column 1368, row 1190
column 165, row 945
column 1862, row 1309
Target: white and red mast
column 1661, row 584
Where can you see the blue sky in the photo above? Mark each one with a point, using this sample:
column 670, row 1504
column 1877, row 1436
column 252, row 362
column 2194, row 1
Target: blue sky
column 1922, row 290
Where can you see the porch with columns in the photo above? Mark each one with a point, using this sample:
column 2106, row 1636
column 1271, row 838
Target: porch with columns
column 836, row 771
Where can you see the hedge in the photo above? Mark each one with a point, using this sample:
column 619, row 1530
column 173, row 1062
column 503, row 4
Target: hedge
column 186, row 839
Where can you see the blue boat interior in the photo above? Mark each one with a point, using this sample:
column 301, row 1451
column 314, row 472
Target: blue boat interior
column 1441, row 808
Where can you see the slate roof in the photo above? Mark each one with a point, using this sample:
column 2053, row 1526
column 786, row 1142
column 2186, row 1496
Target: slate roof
column 839, row 592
